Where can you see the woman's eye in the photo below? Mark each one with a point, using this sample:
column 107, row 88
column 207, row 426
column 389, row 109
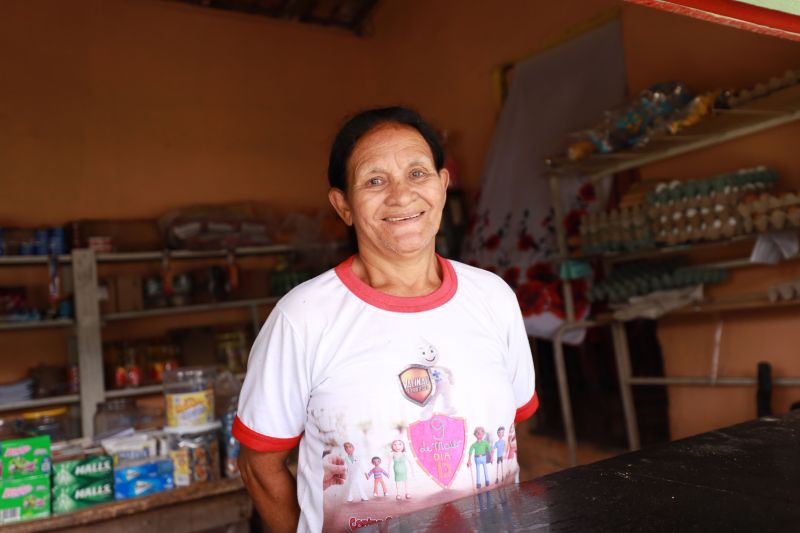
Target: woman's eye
column 418, row 173
column 374, row 181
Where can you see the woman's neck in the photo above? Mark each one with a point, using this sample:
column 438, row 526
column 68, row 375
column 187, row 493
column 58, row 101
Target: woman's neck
column 413, row 276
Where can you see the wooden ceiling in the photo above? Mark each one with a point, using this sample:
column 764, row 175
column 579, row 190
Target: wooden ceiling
column 349, row 14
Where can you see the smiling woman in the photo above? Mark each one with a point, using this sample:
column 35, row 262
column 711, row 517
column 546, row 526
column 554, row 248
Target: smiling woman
column 384, row 353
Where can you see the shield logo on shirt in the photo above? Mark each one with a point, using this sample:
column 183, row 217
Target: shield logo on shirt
column 417, row 384
column 438, row 446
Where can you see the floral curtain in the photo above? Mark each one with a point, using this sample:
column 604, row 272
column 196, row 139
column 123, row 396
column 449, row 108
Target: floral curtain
column 512, row 231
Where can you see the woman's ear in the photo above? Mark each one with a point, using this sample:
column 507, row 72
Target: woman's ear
column 445, row 175
column 338, row 200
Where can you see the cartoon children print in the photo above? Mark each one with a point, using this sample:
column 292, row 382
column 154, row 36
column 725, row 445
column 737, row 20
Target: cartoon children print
column 482, row 451
column 377, row 473
column 499, row 449
column 400, row 465
column 442, row 378
column 353, row 480
column 512, row 443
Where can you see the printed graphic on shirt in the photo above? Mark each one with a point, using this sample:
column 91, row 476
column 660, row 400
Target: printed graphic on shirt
column 438, row 445
column 427, row 383
column 376, row 468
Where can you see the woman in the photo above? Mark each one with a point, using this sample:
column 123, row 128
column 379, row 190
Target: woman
column 356, row 354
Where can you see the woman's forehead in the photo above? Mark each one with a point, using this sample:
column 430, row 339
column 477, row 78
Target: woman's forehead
column 389, row 143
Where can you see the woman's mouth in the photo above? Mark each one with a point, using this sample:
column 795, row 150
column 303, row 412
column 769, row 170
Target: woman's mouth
column 404, row 217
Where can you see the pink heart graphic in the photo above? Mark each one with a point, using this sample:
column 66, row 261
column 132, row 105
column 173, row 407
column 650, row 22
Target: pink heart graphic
column 438, row 446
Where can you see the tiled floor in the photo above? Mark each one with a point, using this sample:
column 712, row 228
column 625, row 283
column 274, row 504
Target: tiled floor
column 540, row 455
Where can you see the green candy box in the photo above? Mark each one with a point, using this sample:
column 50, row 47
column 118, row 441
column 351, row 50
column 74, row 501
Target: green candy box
column 24, row 457
column 24, row 498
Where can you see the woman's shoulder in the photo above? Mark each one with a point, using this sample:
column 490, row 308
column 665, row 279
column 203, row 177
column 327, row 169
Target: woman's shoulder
column 317, row 293
column 476, row 278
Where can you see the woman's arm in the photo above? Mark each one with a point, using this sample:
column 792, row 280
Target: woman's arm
column 272, row 487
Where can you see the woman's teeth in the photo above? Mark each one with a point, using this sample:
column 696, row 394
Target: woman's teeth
column 398, row 219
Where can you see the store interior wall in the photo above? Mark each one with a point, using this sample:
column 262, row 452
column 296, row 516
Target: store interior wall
column 125, row 109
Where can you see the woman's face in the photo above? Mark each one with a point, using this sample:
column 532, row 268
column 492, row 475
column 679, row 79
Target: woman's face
column 395, row 196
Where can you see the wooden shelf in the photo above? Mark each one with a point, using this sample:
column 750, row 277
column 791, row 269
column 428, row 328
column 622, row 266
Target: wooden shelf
column 134, row 391
column 21, row 260
column 184, row 309
column 748, row 302
column 37, row 324
column 157, row 255
column 781, row 107
column 40, row 402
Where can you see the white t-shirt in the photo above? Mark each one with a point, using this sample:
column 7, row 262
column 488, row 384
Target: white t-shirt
column 403, row 381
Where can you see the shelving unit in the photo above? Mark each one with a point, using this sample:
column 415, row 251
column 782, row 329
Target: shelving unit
column 774, row 110
column 40, row 402
column 89, row 322
column 186, row 309
column 37, row 324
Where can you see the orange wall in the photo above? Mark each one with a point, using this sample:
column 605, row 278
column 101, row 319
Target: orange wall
column 119, row 108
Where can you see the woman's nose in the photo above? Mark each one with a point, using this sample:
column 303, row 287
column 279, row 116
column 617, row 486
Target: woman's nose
column 400, row 192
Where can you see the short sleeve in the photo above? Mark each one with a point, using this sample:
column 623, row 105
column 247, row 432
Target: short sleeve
column 272, row 405
column 520, row 365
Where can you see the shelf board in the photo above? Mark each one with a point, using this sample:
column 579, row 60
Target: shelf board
column 40, row 402
column 134, row 391
column 665, row 251
column 751, row 302
column 157, row 255
column 21, row 260
column 777, row 109
column 184, row 309
column 37, row 324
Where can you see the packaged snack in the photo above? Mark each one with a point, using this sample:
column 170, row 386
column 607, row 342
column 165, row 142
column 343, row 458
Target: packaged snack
column 25, row 457
column 143, row 486
column 145, row 469
column 24, row 498
column 132, row 448
column 72, row 497
column 83, row 471
column 195, row 453
column 189, row 396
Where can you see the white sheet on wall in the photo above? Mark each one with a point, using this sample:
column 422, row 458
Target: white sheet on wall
column 552, row 94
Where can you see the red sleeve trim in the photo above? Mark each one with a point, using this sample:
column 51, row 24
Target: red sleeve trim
column 527, row 410
column 262, row 443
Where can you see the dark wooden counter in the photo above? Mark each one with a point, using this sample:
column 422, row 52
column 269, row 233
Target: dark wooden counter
column 742, row 478
column 217, row 505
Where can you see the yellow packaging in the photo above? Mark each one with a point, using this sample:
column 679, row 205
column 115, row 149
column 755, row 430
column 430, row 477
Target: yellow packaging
column 189, row 409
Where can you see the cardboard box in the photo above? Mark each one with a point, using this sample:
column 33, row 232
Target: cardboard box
column 83, row 471
column 68, row 498
column 25, row 457
column 146, row 469
column 24, row 498
column 129, row 294
column 143, row 486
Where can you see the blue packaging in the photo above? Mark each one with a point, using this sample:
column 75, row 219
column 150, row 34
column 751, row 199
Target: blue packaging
column 143, row 486
column 149, row 469
column 41, row 242
column 57, row 242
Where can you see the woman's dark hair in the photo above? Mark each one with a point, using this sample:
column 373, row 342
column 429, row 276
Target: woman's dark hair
column 364, row 122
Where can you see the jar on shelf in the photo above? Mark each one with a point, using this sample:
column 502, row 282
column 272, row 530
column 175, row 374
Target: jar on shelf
column 194, row 453
column 53, row 422
column 189, row 396
column 115, row 414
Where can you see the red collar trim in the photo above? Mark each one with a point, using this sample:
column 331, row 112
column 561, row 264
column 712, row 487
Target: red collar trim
column 400, row 304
